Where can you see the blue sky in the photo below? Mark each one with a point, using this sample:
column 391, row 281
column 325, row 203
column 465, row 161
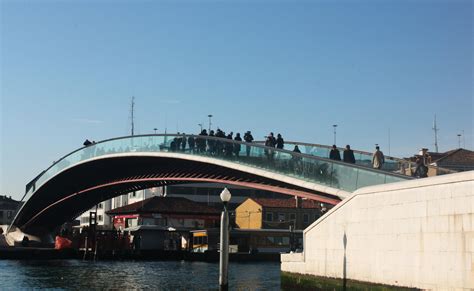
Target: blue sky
column 69, row 69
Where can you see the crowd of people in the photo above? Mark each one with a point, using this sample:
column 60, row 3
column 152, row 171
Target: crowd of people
column 378, row 158
column 203, row 144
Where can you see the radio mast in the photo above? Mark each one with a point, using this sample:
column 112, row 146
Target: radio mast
column 435, row 129
column 132, row 109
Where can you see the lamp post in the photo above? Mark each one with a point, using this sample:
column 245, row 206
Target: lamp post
column 200, row 125
column 224, row 242
column 210, row 116
column 334, row 125
column 155, row 129
column 459, row 140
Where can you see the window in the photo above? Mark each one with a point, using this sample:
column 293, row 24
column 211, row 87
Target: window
column 101, row 205
column 200, row 240
column 281, row 217
column 292, row 216
column 269, row 216
column 306, row 218
column 100, row 217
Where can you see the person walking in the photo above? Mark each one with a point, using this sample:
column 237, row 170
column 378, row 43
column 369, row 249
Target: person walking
column 378, row 159
column 229, row 146
column 237, row 145
column 421, row 170
column 183, row 142
column 211, row 143
column 297, row 149
column 348, row 155
column 248, row 138
column 280, row 143
column 270, row 141
column 191, row 144
column 334, row 154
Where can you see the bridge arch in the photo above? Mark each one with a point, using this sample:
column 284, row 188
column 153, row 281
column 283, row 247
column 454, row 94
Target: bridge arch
column 113, row 167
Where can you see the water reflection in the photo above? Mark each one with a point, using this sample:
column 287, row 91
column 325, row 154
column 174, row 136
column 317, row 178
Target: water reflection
column 66, row 274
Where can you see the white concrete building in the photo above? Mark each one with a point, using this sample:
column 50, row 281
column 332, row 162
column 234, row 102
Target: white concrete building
column 103, row 220
column 417, row 234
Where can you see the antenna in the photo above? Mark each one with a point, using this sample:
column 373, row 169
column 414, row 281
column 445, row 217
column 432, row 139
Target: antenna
column 132, row 109
column 435, row 129
column 389, row 141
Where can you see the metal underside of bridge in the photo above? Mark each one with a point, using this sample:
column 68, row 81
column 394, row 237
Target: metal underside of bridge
column 89, row 183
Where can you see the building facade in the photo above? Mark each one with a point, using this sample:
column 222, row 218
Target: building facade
column 267, row 213
column 103, row 220
column 174, row 212
column 8, row 209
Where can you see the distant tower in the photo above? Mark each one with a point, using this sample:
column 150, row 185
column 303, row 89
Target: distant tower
column 132, row 117
column 435, row 129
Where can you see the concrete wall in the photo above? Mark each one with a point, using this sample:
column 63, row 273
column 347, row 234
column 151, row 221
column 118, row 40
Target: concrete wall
column 415, row 234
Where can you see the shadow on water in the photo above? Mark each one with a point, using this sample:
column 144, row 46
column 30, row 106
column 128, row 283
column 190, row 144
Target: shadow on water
column 160, row 275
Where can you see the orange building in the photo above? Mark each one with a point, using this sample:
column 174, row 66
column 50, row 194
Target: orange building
column 264, row 213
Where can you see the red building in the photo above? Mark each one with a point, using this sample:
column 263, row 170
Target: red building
column 175, row 212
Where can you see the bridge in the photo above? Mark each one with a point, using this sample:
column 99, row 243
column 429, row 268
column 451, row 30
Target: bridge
column 109, row 168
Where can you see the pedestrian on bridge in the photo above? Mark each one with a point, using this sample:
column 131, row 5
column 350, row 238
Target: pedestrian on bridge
column 334, row 154
column 280, row 143
column 237, row 145
column 348, row 155
column 248, row 138
column 378, row 159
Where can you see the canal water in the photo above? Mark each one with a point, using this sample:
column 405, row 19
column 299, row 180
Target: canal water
column 159, row 275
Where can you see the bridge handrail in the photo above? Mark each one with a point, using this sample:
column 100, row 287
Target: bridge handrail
column 410, row 164
column 300, row 156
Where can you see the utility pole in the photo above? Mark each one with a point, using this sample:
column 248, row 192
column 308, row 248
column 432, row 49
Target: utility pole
column 435, row 129
column 132, row 116
column 210, row 116
column 389, row 141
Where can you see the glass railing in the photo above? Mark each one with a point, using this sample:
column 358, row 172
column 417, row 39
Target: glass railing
column 306, row 167
column 364, row 159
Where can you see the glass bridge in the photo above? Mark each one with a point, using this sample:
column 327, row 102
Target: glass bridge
column 309, row 167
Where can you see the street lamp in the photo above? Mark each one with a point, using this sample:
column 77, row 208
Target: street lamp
column 334, row 125
column 155, row 129
column 210, row 116
column 224, row 243
column 459, row 140
column 200, row 125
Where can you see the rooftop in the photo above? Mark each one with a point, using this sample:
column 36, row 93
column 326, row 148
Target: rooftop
column 286, row 203
column 174, row 205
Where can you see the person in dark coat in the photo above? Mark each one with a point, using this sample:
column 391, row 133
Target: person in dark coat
column 211, row 143
column 229, row 146
column 183, row 142
column 334, row 154
column 297, row 149
column 421, row 171
column 237, row 146
column 201, row 142
column 248, row 138
column 280, row 143
column 191, row 144
column 348, row 155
